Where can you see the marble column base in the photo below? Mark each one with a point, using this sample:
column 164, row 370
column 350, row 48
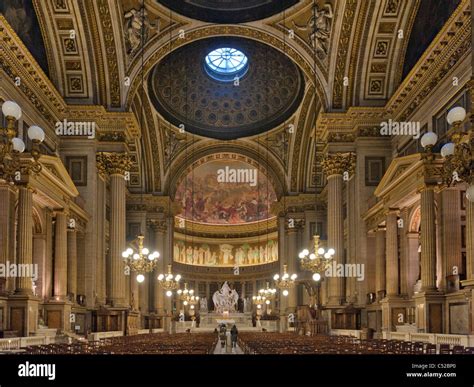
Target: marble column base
column 29, row 304
column 429, row 311
column 57, row 314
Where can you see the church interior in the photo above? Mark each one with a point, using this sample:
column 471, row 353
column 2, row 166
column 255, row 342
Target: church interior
column 236, row 177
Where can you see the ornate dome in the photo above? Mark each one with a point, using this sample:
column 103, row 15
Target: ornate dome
column 228, row 11
column 185, row 92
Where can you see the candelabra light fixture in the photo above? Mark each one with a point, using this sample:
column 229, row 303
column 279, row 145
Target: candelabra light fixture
column 458, row 154
column 187, row 296
column 285, row 282
column 265, row 296
column 169, row 281
column 318, row 261
column 139, row 259
column 11, row 147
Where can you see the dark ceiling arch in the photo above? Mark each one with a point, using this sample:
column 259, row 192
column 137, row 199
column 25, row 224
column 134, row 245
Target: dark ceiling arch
column 430, row 19
column 182, row 91
column 229, row 11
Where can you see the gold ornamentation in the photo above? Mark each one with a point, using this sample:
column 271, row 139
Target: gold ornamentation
column 343, row 48
column 113, row 163
column 338, row 163
column 109, row 42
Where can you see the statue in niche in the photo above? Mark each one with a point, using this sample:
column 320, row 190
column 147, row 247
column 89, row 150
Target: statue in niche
column 189, row 255
column 226, row 251
column 203, row 304
column 319, row 26
column 136, row 23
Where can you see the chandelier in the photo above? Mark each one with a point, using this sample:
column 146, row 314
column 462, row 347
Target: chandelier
column 318, row 261
column 169, row 281
column 187, row 296
column 139, row 259
column 458, row 154
column 285, row 281
column 11, row 146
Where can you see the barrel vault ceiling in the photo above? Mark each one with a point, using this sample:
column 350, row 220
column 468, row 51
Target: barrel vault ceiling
column 359, row 61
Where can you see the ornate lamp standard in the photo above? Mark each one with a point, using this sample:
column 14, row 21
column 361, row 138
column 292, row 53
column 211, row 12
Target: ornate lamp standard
column 139, row 259
column 458, row 155
column 169, row 281
column 187, row 296
column 11, row 146
column 318, row 261
column 285, row 282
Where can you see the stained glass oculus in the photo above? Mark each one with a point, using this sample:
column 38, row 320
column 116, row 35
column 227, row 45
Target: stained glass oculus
column 226, row 63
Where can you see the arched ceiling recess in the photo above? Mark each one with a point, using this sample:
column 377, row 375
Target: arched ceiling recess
column 228, row 11
column 196, row 154
column 158, row 50
column 184, row 92
column 225, row 189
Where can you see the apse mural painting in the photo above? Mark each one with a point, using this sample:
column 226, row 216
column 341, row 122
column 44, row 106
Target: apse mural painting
column 226, row 254
column 225, row 192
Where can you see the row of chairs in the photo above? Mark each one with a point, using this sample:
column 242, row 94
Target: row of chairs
column 289, row 343
column 157, row 343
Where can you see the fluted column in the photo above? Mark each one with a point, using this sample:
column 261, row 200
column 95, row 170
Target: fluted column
column 72, row 263
column 101, row 244
column 117, row 239
column 404, row 256
column 116, row 165
column 428, row 240
column 391, row 239
column 7, row 225
column 470, row 241
column 451, row 234
column 292, row 298
column 158, row 228
column 24, row 237
column 335, row 167
column 380, row 284
column 60, row 257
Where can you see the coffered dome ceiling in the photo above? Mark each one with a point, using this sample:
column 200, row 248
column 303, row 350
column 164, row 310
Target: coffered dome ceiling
column 269, row 92
column 228, row 11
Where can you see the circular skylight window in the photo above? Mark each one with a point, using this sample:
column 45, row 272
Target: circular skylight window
column 225, row 64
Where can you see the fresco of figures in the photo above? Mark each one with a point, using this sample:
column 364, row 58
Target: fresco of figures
column 205, row 198
column 226, row 254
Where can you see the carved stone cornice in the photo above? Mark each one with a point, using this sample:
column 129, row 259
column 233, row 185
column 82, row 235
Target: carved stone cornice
column 157, row 225
column 153, row 204
column 113, row 163
column 338, row 163
column 299, row 203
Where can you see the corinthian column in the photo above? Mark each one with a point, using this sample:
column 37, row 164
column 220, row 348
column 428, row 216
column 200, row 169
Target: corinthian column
column 380, row 284
column 72, row 263
column 101, row 245
column 60, row 257
column 335, row 167
column 392, row 254
column 25, row 238
column 159, row 228
column 116, row 165
column 470, row 243
column 428, row 240
column 7, row 225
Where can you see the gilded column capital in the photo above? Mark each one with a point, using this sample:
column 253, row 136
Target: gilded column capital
column 113, row 163
column 391, row 210
column 157, row 225
column 339, row 163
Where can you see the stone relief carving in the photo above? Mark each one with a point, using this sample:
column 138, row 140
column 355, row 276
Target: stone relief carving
column 319, row 26
column 136, row 22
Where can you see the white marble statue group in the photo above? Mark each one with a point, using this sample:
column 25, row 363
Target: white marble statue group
column 225, row 299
